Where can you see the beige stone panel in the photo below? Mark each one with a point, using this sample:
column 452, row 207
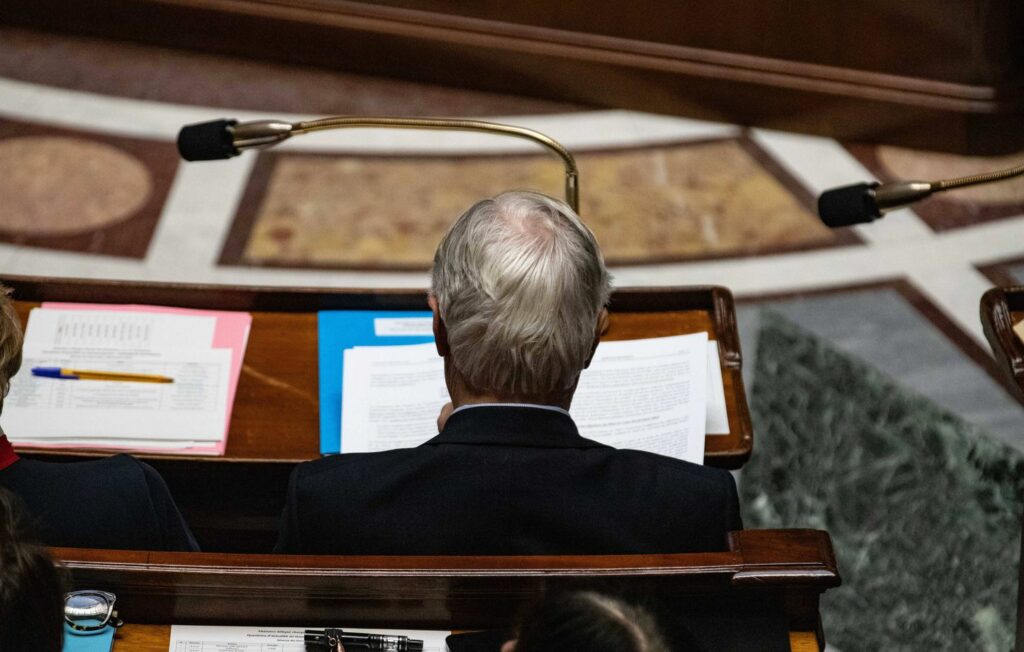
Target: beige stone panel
column 652, row 204
column 56, row 185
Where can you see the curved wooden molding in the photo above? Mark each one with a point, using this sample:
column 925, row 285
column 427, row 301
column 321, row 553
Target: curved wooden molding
column 950, row 77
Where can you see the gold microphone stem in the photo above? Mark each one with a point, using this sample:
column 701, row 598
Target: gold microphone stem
column 572, row 191
column 975, row 179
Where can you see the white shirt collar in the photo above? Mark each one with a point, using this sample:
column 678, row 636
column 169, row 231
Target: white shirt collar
column 553, row 408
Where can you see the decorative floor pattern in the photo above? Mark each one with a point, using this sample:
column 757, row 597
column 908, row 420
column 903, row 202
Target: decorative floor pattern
column 653, row 204
column 923, row 509
column 1005, row 272
column 161, row 74
column 70, row 190
column 893, row 328
column 959, row 209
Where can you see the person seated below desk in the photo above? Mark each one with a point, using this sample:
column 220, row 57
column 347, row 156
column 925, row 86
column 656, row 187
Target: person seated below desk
column 519, row 291
column 31, row 587
column 580, row 621
column 587, row 621
column 117, row 502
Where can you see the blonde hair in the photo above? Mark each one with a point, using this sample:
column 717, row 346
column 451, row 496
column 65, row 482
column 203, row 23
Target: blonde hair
column 520, row 283
column 10, row 342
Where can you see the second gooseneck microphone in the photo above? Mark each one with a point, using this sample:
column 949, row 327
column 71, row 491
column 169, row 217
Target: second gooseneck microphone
column 866, row 202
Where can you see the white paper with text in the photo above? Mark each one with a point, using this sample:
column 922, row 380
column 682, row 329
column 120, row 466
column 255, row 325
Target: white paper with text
column 391, row 396
column 191, row 408
column 92, row 331
column 644, row 394
column 206, row 638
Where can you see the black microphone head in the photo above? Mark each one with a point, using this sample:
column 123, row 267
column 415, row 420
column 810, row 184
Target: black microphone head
column 848, row 205
column 207, row 141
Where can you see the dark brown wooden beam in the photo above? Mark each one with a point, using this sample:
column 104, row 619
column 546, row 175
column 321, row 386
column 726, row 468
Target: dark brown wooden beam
column 935, row 75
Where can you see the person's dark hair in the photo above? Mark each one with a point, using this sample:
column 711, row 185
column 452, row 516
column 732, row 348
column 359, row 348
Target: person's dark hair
column 11, row 338
column 586, row 621
column 31, row 587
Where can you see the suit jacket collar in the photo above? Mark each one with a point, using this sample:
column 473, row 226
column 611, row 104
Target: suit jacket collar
column 512, row 426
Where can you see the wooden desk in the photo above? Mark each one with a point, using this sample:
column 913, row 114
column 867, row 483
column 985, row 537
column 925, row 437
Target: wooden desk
column 780, row 571
column 233, row 502
column 157, row 638
column 1001, row 309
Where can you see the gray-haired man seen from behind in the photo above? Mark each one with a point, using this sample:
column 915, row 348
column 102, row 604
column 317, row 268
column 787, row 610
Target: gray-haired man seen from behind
column 518, row 293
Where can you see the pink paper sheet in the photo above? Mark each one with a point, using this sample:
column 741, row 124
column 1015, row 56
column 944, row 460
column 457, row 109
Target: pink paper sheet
column 231, row 332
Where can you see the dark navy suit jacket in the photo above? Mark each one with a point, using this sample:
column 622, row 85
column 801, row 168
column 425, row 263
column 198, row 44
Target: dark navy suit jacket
column 507, row 481
column 117, row 502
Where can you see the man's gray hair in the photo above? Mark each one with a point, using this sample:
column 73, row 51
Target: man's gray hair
column 520, row 282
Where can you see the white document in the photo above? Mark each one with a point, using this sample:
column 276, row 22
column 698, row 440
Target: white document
column 643, row 394
column 192, row 408
column 104, row 330
column 390, row 326
column 646, row 395
column 160, row 415
column 717, row 421
column 192, row 638
column 153, row 445
column 391, row 396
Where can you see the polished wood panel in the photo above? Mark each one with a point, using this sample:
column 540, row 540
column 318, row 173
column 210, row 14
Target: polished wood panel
column 803, row 642
column 143, row 638
column 157, row 638
column 786, row 568
column 233, row 502
column 1001, row 309
column 935, row 75
column 275, row 418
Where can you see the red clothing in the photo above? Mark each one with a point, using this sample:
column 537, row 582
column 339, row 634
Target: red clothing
column 7, row 454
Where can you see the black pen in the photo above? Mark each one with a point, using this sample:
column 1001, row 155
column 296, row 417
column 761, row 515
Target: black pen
column 330, row 639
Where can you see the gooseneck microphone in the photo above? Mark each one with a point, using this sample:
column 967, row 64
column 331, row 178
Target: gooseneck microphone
column 222, row 139
column 866, row 202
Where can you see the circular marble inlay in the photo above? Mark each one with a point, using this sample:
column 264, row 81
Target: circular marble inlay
column 932, row 166
column 56, row 185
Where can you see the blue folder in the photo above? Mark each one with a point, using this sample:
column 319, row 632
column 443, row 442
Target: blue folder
column 339, row 330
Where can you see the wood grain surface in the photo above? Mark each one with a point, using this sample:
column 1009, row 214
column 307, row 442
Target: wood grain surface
column 956, row 86
column 777, row 571
column 276, row 412
column 157, row 638
column 233, row 502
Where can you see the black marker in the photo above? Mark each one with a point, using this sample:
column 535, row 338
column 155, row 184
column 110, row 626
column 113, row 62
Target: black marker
column 329, row 639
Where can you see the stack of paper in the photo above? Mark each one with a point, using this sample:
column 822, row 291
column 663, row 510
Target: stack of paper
column 200, row 350
column 660, row 395
column 208, row 638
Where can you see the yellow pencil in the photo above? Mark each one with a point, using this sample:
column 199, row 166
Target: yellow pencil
column 90, row 374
